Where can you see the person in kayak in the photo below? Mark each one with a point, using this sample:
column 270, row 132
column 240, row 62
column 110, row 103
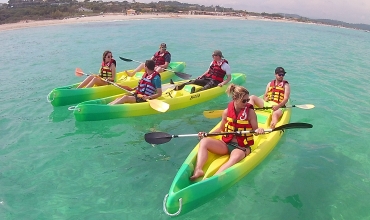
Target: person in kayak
column 162, row 59
column 215, row 74
column 276, row 96
column 107, row 71
column 238, row 116
column 150, row 87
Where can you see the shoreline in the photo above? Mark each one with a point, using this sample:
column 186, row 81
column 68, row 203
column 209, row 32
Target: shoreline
column 119, row 17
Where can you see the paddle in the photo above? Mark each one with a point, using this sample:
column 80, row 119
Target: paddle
column 179, row 74
column 162, row 137
column 218, row 113
column 157, row 105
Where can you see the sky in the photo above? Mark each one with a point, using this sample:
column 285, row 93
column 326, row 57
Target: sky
column 350, row 11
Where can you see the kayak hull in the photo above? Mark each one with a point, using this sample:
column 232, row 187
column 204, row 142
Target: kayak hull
column 185, row 195
column 67, row 95
column 99, row 110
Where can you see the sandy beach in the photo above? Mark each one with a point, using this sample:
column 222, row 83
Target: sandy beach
column 117, row 17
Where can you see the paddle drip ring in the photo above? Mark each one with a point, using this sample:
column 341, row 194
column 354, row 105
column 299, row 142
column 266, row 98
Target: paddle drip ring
column 165, row 209
column 47, row 97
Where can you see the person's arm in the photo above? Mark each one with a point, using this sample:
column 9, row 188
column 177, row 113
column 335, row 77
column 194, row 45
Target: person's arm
column 167, row 59
column 226, row 67
column 252, row 117
column 113, row 68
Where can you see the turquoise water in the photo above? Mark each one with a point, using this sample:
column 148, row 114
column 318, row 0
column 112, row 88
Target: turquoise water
column 52, row 167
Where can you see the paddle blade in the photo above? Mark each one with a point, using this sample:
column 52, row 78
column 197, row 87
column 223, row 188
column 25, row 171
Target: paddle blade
column 213, row 113
column 293, row 125
column 157, row 137
column 168, row 86
column 158, row 105
column 183, row 75
column 79, row 72
column 125, row 59
column 306, row 106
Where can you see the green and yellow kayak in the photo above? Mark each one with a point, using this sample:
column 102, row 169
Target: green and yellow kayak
column 185, row 195
column 67, row 95
column 99, row 110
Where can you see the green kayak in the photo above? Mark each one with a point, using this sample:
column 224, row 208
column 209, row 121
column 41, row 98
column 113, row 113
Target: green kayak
column 67, row 95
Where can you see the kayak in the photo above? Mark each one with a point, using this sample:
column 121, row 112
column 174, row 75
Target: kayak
column 100, row 110
column 67, row 95
column 185, row 195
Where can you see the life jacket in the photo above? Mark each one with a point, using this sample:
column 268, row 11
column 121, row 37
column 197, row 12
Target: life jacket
column 105, row 70
column 146, row 85
column 238, row 123
column 275, row 92
column 159, row 59
column 215, row 72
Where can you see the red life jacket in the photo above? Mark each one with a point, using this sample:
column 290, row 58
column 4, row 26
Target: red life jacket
column 215, row 72
column 159, row 59
column 105, row 70
column 238, row 123
column 275, row 93
column 146, row 85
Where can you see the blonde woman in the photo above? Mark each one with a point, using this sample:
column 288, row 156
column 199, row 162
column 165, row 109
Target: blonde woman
column 238, row 115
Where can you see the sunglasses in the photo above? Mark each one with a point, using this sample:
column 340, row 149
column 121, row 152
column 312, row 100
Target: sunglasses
column 109, row 56
column 281, row 74
column 213, row 55
column 245, row 100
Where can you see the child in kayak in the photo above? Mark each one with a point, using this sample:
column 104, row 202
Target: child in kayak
column 107, row 71
column 239, row 115
column 150, row 87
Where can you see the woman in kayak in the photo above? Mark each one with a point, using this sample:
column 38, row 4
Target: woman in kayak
column 107, row 72
column 150, row 87
column 238, row 116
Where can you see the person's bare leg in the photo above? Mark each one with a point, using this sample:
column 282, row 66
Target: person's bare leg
column 255, row 100
column 235, row 156
column 207, row 144
column 96, row 81
column 132, row 73
column 85, row 82
column 123, row 99
column 275, row 118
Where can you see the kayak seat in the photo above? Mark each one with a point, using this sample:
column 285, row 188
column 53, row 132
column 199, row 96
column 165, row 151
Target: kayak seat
column 189, row 88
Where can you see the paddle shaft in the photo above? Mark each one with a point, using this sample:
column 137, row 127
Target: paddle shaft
column 107, row 81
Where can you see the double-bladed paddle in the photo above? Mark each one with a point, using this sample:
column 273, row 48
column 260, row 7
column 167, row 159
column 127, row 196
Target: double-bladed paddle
column 162, row 137
column 218, row 113
column 179, row 74
column 155, row 104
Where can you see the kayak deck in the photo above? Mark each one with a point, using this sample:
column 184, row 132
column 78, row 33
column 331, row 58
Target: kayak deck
column 185, row 195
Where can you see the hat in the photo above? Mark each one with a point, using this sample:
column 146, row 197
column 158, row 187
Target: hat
column 279, row 70
column 217, row 53
column 163, row 45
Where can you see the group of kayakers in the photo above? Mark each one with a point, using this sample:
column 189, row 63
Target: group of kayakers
column 239, row 114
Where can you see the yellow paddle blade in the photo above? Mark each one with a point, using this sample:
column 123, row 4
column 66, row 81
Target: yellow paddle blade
column 213, row 113
column 306, row 106
column 158, row 105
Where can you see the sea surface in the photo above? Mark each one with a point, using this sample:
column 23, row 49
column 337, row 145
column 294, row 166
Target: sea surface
column 52, row 167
